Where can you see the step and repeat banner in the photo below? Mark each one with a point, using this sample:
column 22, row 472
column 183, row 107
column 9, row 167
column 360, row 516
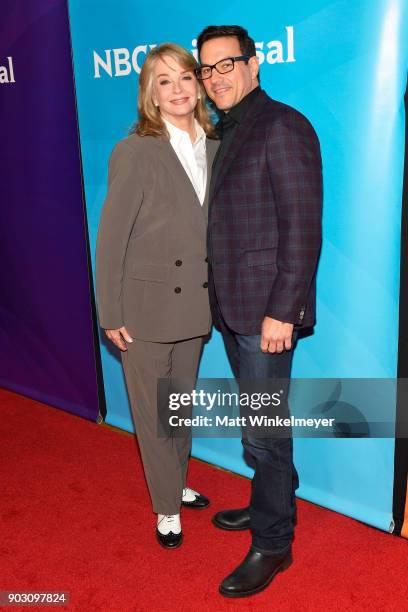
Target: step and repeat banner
column 343, row 64
column 46, row 323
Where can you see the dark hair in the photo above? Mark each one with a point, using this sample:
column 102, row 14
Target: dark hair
column 246, row 43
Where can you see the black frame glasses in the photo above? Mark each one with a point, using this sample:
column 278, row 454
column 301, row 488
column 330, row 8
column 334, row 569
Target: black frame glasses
column 217, row 66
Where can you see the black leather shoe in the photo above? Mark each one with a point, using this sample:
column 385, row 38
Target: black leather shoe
column 254, row 574
column 198, row 503
column 232, row 520
column 170, row 540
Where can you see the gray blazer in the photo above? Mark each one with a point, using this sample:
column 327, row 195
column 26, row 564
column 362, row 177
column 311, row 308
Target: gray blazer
column 151, row 260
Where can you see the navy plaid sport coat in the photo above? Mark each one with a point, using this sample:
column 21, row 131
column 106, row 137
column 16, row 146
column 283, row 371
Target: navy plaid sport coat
column 264, row 228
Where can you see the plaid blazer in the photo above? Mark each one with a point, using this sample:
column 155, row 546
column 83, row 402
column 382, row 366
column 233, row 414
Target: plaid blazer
column 264, row 229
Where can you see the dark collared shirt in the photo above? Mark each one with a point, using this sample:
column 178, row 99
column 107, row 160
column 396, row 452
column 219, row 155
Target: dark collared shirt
column 227, row 125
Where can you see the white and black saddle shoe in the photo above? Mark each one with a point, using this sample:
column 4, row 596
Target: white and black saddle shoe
column 168, row 530
column 192, row 499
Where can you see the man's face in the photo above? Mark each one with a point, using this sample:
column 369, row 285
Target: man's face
column 226, row 90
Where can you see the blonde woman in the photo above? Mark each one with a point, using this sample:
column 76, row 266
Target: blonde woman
column 151, row 264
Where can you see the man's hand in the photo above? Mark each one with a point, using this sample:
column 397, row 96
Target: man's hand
column 118, row 336
column 276, row 336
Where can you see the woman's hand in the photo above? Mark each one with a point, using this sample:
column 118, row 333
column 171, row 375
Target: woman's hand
column 118, row 337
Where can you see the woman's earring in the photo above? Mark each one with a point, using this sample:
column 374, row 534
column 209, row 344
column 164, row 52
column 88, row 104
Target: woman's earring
column 199, row 97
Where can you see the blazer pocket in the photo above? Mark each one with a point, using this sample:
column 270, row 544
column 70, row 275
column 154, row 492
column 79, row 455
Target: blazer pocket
column 150, row 272
column 263, row 257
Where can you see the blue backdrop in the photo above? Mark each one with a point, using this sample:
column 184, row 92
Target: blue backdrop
column 343, row 65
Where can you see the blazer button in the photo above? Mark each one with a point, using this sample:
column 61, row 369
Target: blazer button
column 205, row 285
column 178, row 262
column 177, row 290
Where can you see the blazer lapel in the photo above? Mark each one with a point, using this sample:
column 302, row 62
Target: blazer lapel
column 211, row 149
column 188, row 194
column 177, row 168
column 241, row 134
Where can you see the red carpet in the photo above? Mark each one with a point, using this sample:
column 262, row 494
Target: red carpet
column 76, row 517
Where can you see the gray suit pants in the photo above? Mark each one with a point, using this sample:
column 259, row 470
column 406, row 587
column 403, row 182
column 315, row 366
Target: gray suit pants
column 165, row 459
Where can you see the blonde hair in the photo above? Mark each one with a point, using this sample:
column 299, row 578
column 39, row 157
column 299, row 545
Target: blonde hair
column 150, row 122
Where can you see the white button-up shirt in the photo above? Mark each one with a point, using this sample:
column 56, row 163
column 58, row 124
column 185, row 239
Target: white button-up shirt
column 191, row 155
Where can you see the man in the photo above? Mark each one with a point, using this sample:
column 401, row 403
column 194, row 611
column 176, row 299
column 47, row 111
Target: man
column 264, row 238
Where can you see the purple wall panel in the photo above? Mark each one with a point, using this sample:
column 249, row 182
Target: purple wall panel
column 46, row 329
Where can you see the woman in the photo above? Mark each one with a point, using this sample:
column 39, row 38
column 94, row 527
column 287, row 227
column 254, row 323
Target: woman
column 151, row 266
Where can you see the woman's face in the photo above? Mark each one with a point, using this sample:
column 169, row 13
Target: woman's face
column 175, row 89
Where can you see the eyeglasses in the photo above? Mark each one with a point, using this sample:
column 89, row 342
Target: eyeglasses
column 222, row 67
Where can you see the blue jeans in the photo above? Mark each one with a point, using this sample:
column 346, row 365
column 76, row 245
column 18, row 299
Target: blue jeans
column 273, row 504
